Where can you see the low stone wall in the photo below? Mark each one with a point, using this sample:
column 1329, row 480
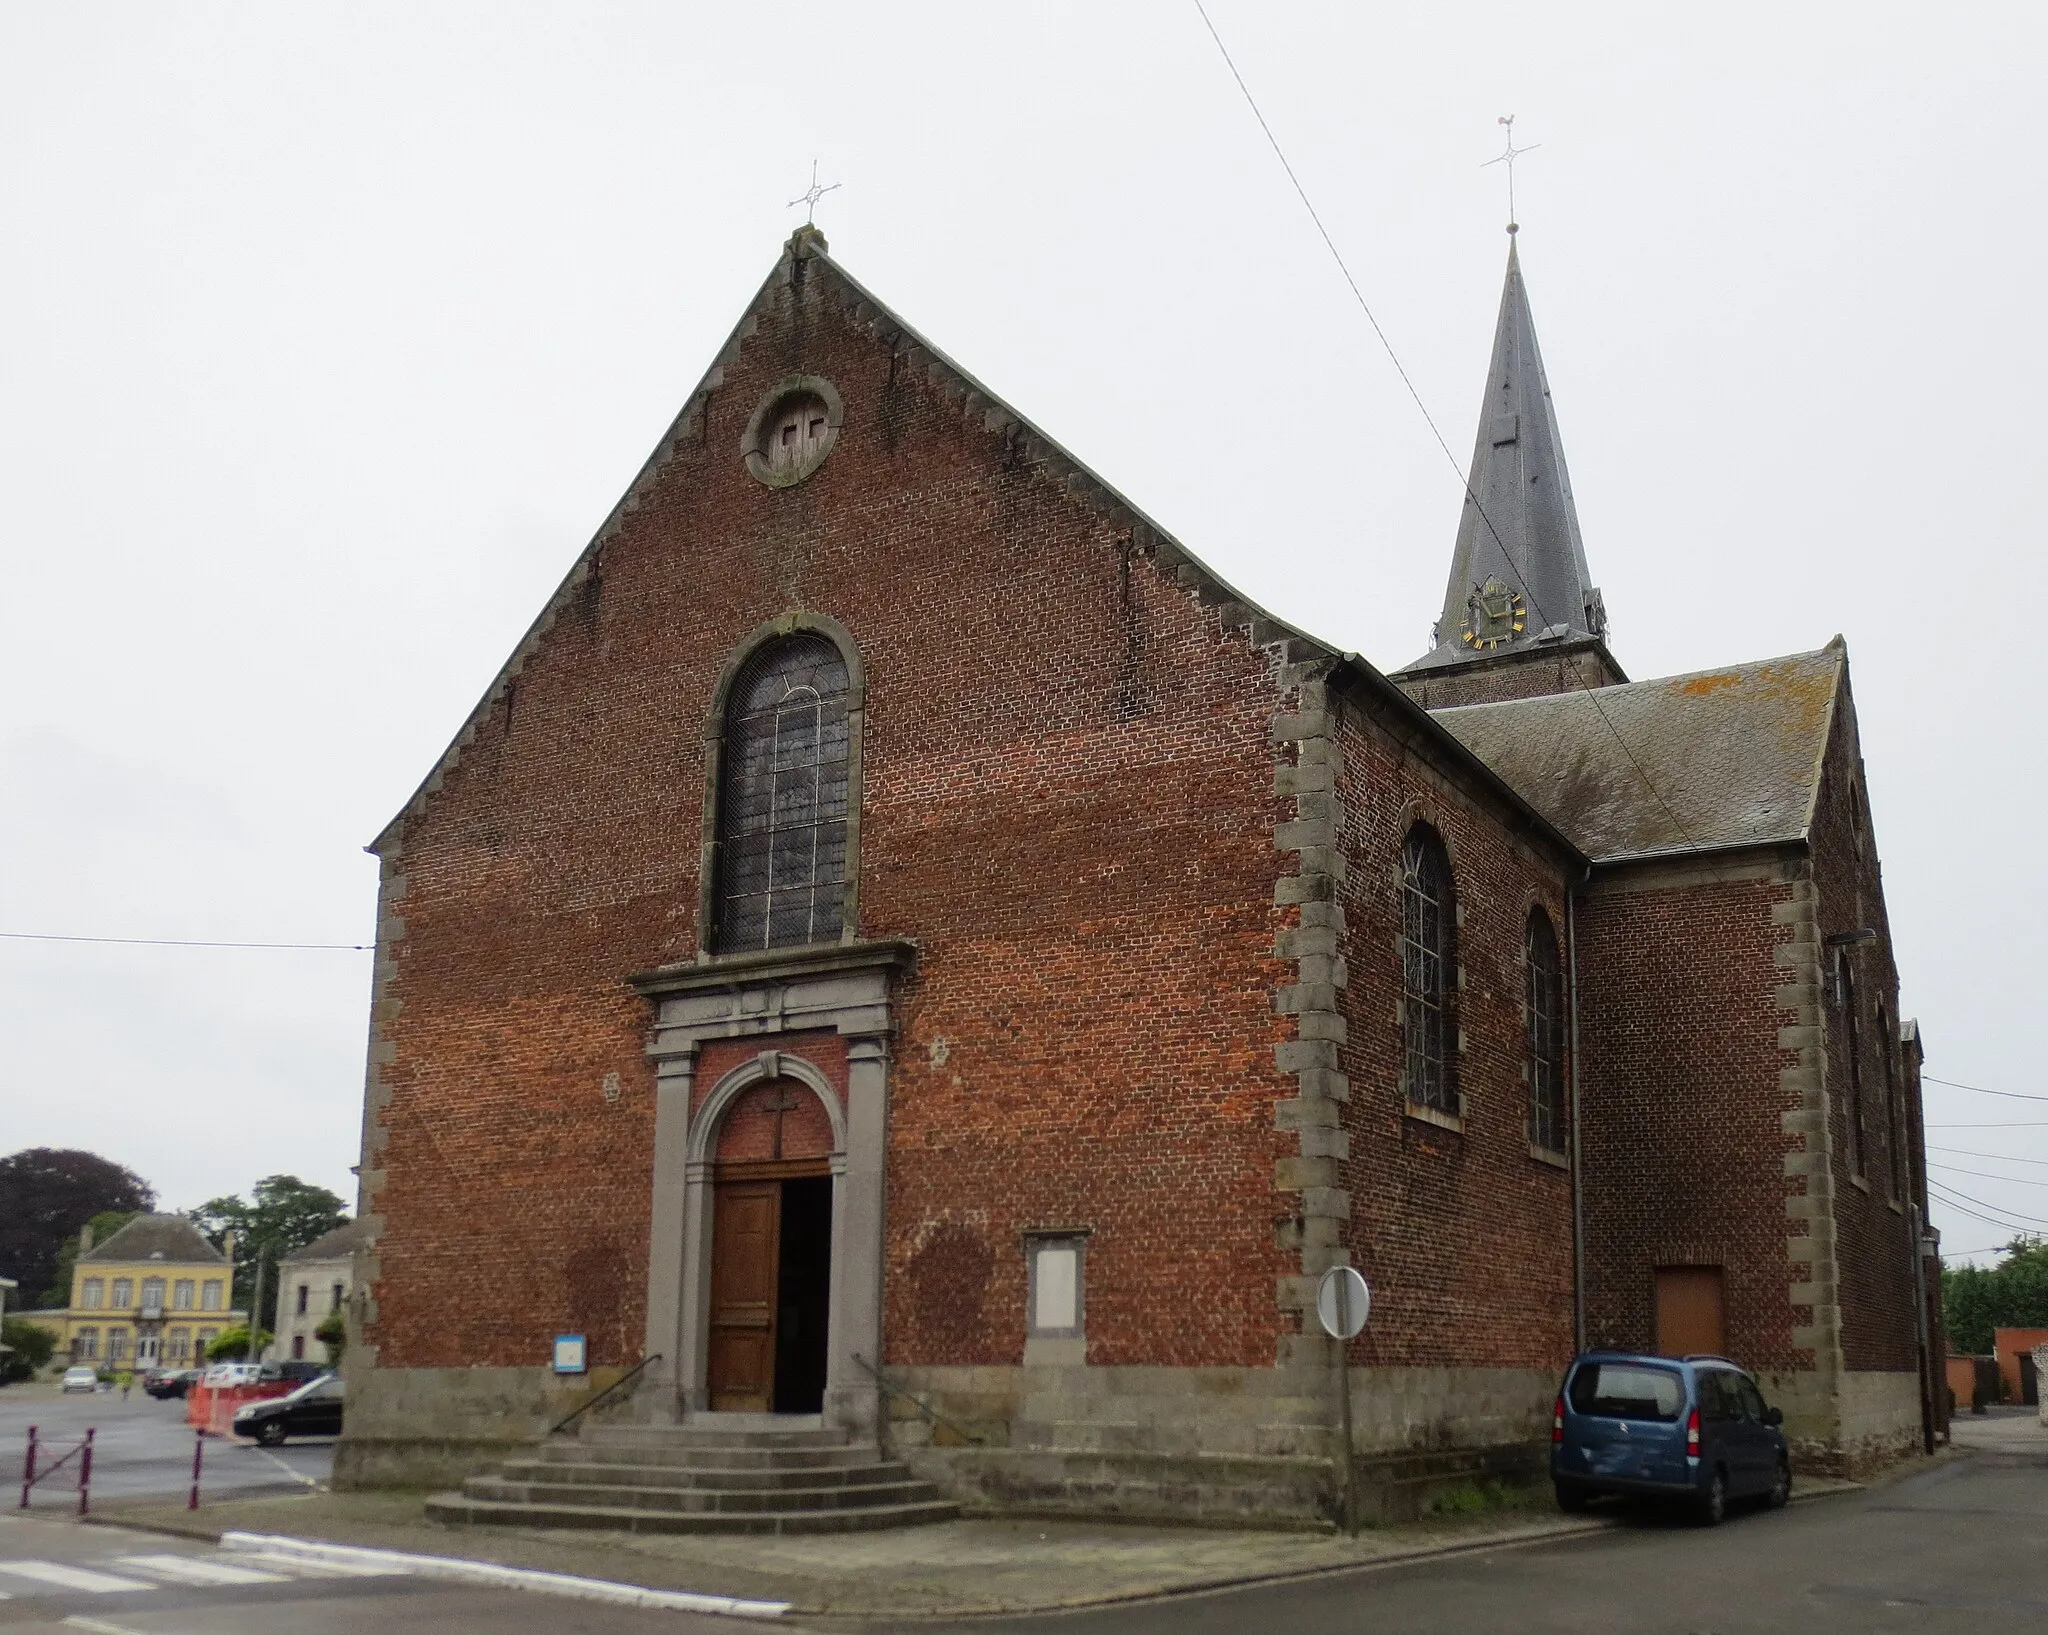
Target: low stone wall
column 1236, row 1446
column 1852, row 1424
column 431, row 1427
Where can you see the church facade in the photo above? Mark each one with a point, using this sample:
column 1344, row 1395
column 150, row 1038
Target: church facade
column 901, row 942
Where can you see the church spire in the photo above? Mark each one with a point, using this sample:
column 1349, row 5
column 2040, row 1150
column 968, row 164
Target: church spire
column 1518, row 581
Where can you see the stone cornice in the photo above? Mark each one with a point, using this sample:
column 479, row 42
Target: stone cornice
column 730, row 972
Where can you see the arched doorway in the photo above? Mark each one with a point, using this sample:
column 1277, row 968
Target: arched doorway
column 771, row 1251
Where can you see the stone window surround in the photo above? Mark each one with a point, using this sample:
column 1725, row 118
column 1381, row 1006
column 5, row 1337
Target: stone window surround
column 847, row 989
column 785, row 624
column 756, row 457
column 1057, row 1347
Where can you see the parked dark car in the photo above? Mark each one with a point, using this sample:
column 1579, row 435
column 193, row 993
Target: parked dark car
column 1690, row 1428
column 292, row 1369
column 314, row 1409
column 164, row 1383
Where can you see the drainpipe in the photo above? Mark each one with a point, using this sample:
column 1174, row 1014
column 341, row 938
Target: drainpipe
column 1571, row 940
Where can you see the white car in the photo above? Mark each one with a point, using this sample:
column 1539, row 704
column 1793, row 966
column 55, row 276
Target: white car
column 225, row 1374
column 81, row 1378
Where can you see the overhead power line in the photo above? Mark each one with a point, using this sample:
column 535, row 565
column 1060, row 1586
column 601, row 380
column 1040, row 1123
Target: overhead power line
column 189, row 942
column 2013, row 1095
column 2027, row 1222
column 2003, row 1158
column 1988, row 1175
column 1649, row 783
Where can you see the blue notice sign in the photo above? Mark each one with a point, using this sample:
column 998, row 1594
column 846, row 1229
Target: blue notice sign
column 569, row 1354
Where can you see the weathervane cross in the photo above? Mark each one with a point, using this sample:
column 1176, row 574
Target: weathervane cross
column 810, row 196
column 1508, row 158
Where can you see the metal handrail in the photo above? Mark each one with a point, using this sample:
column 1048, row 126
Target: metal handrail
column 917, row 1402
column 584, row 1408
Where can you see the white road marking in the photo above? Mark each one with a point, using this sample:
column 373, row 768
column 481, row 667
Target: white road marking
column 300, row 1567
column 99, row 1626
column 196, row 1570
column 71, row 1578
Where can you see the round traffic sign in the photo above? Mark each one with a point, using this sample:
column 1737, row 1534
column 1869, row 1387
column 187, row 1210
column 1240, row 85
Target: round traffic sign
column 1343, row 1302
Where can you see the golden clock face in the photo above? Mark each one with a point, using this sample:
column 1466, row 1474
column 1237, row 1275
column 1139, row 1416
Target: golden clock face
column 1494, row 613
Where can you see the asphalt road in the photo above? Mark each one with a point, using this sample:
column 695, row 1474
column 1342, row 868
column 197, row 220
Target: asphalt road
column 1960, row 1547
column 140, row 1447
column 59, row 1577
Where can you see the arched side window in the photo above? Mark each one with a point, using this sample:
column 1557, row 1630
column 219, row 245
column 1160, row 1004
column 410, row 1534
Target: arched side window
column 1894, row 1125
column 780, row 868
column 1429, row 919
column 1545, row 1011
column 1852, row 1043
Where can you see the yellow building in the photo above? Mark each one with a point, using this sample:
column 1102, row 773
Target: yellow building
column 155, row 1293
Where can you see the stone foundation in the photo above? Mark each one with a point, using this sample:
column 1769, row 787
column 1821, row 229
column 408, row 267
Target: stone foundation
column 431, row 1427
column 1849, row 1424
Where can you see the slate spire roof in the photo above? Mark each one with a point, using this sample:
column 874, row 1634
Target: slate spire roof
column 1518, row 572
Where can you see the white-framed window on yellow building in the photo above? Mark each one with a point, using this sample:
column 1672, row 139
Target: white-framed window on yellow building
column 85, row 1344
column 153, row 1294
column 117, row 1344
column 181, row 1344
column 91, row 1292
column 124, row 1293
column 205, row 1338
column 181, row 1294
column 209, row 1296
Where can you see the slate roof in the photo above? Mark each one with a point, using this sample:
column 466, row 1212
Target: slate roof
column 339, row 1244
column 1734, row 754
column 158, row 1237
column 1519, row 525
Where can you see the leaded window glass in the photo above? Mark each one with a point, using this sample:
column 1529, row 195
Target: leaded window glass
column 1545, row 1010
column 781, row 864
column 1428, row 972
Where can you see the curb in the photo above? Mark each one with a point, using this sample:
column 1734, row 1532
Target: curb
column 490, row 1574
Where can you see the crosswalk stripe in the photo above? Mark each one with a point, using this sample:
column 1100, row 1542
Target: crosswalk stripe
column 196, row 1570
column 71, row 1578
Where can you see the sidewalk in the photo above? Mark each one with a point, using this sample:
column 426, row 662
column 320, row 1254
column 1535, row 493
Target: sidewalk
column 954, row 1569
column 2001, row 1429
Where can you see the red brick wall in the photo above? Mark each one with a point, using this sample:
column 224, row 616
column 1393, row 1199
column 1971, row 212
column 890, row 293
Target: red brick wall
column 1465, row 1237
column 1873, row 1234
column 1681, row 1138
column 1068, row 803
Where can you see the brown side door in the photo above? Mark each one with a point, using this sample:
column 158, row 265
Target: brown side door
column 746, row 1233
column 1690, row 1308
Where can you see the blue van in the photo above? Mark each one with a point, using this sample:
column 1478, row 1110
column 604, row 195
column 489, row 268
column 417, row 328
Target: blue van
column 1691, row 1428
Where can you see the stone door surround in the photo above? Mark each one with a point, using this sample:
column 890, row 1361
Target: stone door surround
column 848, row 989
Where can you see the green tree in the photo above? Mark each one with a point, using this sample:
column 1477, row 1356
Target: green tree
column 46, row 1195
column 104, row 1225
column 232, row 1345
column 333, row 1334
column 29, row 1346
column 2013, row 1294
column 281, row 1215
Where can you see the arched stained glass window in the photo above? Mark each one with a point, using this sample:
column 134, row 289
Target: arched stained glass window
column 1545, row 1011
column 782, row 800
column 1429, row 919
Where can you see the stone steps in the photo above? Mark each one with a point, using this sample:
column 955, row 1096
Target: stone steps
column 904, row 1490
column 735, row 1474
column 457, row 1511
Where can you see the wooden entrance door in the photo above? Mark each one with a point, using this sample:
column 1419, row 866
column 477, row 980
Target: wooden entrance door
column 1690, row 1309
column 746, row 1251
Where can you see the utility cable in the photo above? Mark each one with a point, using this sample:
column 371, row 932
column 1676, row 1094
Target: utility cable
column 188, row 942
column 1691, row 844
column 2013, row 1095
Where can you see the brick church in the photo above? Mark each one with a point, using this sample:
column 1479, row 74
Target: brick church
column 901, row 947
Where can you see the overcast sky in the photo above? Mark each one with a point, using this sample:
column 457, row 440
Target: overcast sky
column 329, row 334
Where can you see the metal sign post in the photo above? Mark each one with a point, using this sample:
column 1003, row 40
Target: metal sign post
column 1343, row 1302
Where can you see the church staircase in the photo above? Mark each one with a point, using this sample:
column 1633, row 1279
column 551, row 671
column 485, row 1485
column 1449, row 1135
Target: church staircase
column 748, row 1473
